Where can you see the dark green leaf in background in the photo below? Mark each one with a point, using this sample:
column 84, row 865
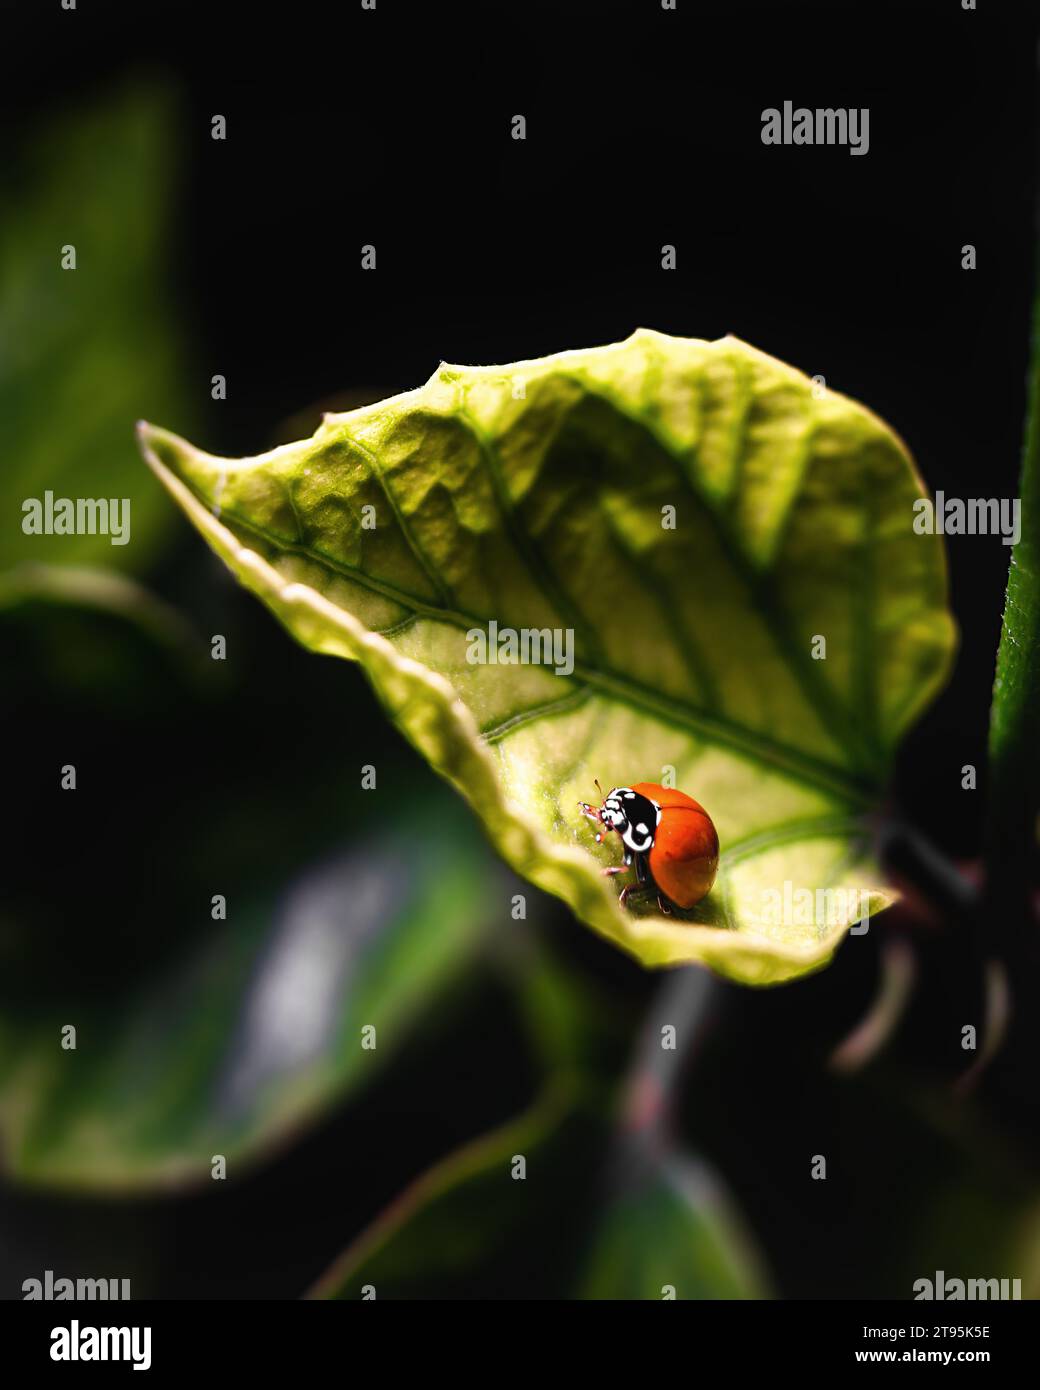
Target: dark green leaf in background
column 469, row 1229
column 258, row 1029
column 1014, row 736
column 83, row 350
column 674, row 1229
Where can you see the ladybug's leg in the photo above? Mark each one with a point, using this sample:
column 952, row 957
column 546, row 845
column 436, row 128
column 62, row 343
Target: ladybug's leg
column 645, row 884
column 621, row 868
column 597, row 818
column 592, row 813
column 643, row 880
column 630, row 887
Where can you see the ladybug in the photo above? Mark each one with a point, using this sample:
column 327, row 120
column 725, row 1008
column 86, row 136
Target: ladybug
column 668, row 837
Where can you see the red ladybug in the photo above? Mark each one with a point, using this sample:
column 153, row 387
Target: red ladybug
column 668, row 837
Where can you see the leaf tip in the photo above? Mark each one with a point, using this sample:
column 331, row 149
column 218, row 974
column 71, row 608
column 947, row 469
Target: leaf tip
column 144, row 434
column 165, row 452
column 149, row 437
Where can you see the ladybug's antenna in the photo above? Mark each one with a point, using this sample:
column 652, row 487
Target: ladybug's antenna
column 597, row 785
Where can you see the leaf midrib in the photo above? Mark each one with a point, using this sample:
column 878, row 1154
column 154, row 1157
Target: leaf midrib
column 714, row 728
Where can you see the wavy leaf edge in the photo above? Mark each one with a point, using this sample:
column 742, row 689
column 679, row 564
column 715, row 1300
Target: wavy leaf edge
column 427, row 709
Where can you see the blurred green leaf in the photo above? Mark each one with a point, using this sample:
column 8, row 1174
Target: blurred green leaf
column 1013, row 797
column 673, row 1234
column 574, row 1022
column 469, row 1229
column 95, row 636
column 971, row 1225
column 258, row 1029
column 84, row 352
column 535, row 495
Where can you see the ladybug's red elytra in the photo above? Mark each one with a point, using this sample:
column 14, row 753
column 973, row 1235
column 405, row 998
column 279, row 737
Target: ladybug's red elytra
column 669, row 840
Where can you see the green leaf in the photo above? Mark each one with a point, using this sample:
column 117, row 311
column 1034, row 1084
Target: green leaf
column 1013, row 798
column 97, row 591
column 257, row 1030
column 674, row 1230
column 99, row 637
column 84, row 349
column 533, row 495
column 468, row 1228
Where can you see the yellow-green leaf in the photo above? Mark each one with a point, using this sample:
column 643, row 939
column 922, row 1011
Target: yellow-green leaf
column 695, row 516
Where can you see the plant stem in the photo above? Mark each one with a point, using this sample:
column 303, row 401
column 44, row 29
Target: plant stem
column 683, row 1002
column 1014, row 740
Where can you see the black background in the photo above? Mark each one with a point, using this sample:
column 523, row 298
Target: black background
column 392, row 127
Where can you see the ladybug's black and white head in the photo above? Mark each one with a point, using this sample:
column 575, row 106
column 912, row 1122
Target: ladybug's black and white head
column 634, row 816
